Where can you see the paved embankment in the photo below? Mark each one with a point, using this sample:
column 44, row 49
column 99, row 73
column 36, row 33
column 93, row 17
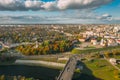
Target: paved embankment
column 36, row 62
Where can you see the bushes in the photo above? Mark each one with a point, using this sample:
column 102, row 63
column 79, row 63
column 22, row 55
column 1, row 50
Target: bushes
column 7, row 58
column 2, row 77
column 116, row 52
column 113, row 52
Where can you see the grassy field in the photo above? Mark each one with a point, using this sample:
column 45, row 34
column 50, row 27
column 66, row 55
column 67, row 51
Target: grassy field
column 95, row 50
column 90, row 47
column 101, row 69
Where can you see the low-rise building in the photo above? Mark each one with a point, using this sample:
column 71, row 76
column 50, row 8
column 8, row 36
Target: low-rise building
column 94, row 41
column 103, row 42
column 112, row 61
column 112, row 42
column 118, row 41
column 82, row 39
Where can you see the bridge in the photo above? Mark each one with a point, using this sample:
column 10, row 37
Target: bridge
column 68, row 71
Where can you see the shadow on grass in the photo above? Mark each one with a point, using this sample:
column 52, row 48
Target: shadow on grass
column 85, row 73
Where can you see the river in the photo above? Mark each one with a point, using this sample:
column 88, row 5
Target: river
column 37, row 72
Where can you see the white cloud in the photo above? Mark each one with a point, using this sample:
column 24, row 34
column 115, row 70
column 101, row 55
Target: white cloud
column 58, row 4
column 20, row 5
column 83, row 14
column 6, row 1
column 105, row 17
column 80, row 4
column 49, row 6
column 30, row 4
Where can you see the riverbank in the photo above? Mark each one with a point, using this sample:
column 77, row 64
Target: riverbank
column 43, row 63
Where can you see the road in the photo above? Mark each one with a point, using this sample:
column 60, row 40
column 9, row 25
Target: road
column 68, row 71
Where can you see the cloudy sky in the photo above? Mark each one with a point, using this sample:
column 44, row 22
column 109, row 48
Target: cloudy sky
column 59, row 11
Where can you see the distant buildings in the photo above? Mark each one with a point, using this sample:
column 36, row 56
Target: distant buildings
column 103, row 35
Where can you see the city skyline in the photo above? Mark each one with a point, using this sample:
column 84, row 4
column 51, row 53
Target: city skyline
column 59, row 11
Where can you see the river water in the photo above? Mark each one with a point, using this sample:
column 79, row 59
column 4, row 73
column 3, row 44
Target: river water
column 37, row 72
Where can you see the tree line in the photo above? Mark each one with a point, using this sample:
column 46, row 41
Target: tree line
column 47, row 47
